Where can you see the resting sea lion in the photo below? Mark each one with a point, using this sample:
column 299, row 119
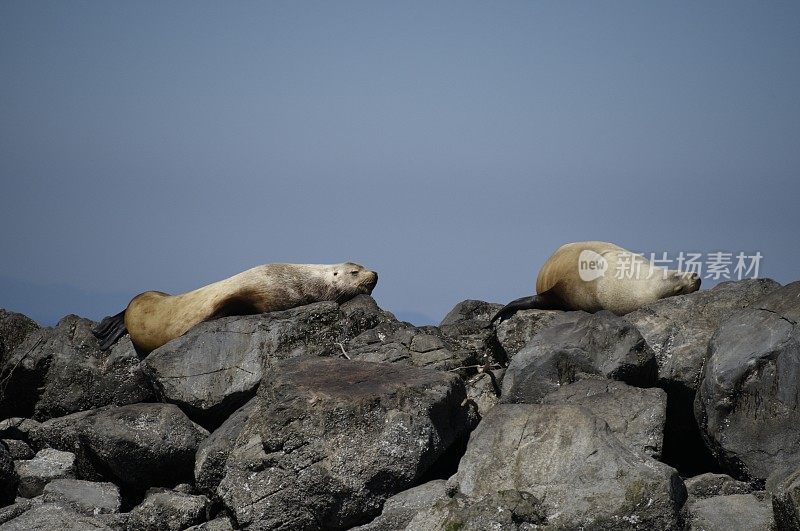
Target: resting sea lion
column 593, row 276
column 153, row 318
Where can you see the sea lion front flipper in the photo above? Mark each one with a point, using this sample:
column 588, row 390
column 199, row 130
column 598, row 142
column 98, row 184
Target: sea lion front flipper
column 547, row 300
column 110, row 329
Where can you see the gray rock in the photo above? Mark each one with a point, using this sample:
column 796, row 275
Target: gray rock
column 508, row 510
column 709, row 485
column 14, row 327
column 362, row 313
column 217, row 366
column 8, row 477
column 397, row 342
column 49, row 517
column 138, row 445
column 484, row 389
column 209, row 464
column 47, row 465
column 85, row 497
column 334, row 438
column 20, row 506
column 168, row 511
column 17, row 449
column 400, row 509
column 748, row 404
column 516, row 331
column 61, row 370
column 568, row 458
column 599, row 343
column 735, row 512
column 17, row 428
column 678, row 329
column 470, row 310
column 222, row 523
column 634, row 414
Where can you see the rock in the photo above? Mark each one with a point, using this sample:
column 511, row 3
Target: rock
column 85, row 497
column 47, row 465
column 61, row 370
column 17, row 449
column 679, row 328
column 362, row 313
column 8, row 477
column 484, row 389
column 516, row 331
column 569, row 459
column 635, row 415
column 135, row 446
column 505, row 510
column 50, row 516
column 599, row 343
column 709, row 485
column 215, row 367
column 334, row 438
column 168, row 511
column 471, row 310
column 22, row 505
column 732, row 512
column 748, row 404
column 209, row 464
column 14, row 328
column 17, row 428
column 397, row 342
column 218, row 524
column 400, row 509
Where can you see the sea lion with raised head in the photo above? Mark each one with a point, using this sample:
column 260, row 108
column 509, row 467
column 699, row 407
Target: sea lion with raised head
column 593, row 276
column 153, row 318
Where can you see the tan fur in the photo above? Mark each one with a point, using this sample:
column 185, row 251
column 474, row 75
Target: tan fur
column 560, row 273
column 153, row 318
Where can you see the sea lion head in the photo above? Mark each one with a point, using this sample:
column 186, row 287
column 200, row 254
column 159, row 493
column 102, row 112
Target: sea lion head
column 349, row 279
column 681, row 283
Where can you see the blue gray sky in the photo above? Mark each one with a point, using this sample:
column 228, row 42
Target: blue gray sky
column 451, row 146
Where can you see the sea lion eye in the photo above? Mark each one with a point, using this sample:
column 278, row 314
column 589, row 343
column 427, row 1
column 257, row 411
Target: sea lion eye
column 335, row 273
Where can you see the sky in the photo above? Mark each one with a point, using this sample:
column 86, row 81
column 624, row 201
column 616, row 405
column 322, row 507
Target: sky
column 450, row 146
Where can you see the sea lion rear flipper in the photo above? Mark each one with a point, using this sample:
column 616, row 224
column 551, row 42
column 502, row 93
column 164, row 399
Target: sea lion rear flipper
column 110, row 329
column 547, row 300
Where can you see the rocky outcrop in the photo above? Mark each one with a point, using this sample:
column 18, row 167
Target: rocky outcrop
column 748, row 405
column 135, row 446
column 332, row 439
column 579, row 343
column 47, row 465
column 212, row 370
column 580, row 473
column 61, row 370
column 14, row 328
column 633, row 414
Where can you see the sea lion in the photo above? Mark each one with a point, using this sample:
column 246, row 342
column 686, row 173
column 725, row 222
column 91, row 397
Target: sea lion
column 153, row 318
column 593, row 276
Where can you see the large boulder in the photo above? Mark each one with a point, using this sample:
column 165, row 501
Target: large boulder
column 516, row 331
column 580, row 343
column 570, row 461
column 85, row 497
column 748, row 404
column 168, row 511
column 634, row 414
column 735, row 511
column 47, row 465
column 334, row 438
column 679, row 328
column 135, row 446
column 214, row 368
column 786, row 502
column 61, row 370
column 50, row 516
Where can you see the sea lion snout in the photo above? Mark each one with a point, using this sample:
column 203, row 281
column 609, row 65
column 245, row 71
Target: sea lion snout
column 372, row 281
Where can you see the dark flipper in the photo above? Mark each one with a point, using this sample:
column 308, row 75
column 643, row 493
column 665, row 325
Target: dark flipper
column 110, row 329
column 543, row 301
